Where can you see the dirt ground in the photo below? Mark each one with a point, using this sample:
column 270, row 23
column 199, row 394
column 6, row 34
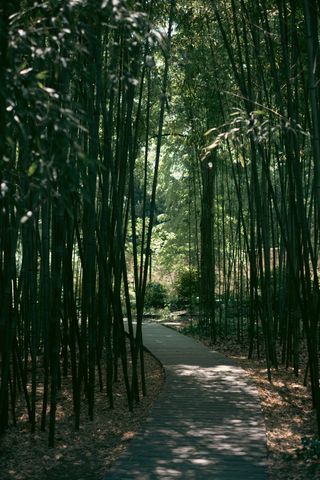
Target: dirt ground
column 83, row 455
column 289, row 417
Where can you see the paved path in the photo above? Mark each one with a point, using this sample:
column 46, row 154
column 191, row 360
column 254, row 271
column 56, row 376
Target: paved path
column 206, row 424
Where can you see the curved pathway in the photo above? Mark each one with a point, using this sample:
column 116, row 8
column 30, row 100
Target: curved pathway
column 206, row 424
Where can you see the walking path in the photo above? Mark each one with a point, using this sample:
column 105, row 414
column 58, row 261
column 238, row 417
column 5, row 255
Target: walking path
column 206, row 424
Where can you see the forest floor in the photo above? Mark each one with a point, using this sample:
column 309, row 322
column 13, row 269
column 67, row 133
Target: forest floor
column 286, row 406
column 288, row 415
column 86, row 455
column 83, row 455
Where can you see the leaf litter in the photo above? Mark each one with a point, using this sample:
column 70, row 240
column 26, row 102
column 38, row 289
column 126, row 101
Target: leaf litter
column 86, row 454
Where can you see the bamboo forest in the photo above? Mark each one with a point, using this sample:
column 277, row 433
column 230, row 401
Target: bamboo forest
column 159, row 163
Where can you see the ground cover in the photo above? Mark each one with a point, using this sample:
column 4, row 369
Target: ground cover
column 83, row 455
column 289, row 418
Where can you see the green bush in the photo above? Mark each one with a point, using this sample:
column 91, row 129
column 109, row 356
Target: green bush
column 156, row 295
column 187, row 287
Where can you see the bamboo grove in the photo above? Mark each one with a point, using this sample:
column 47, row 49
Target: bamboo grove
column 251, row 100
column 92, row 96
column 79, row 96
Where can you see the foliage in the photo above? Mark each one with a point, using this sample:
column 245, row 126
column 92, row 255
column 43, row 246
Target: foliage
column 156, row 295
column 186, row 286
column 80, row 91
column 88, row 108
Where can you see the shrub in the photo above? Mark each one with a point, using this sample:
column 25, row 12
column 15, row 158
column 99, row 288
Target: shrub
column 186, row 287
column 156, row 295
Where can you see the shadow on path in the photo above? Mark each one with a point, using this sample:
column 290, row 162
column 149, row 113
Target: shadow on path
column 206, row 424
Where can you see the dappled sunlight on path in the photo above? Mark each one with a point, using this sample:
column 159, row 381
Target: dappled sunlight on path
column 206, row 424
